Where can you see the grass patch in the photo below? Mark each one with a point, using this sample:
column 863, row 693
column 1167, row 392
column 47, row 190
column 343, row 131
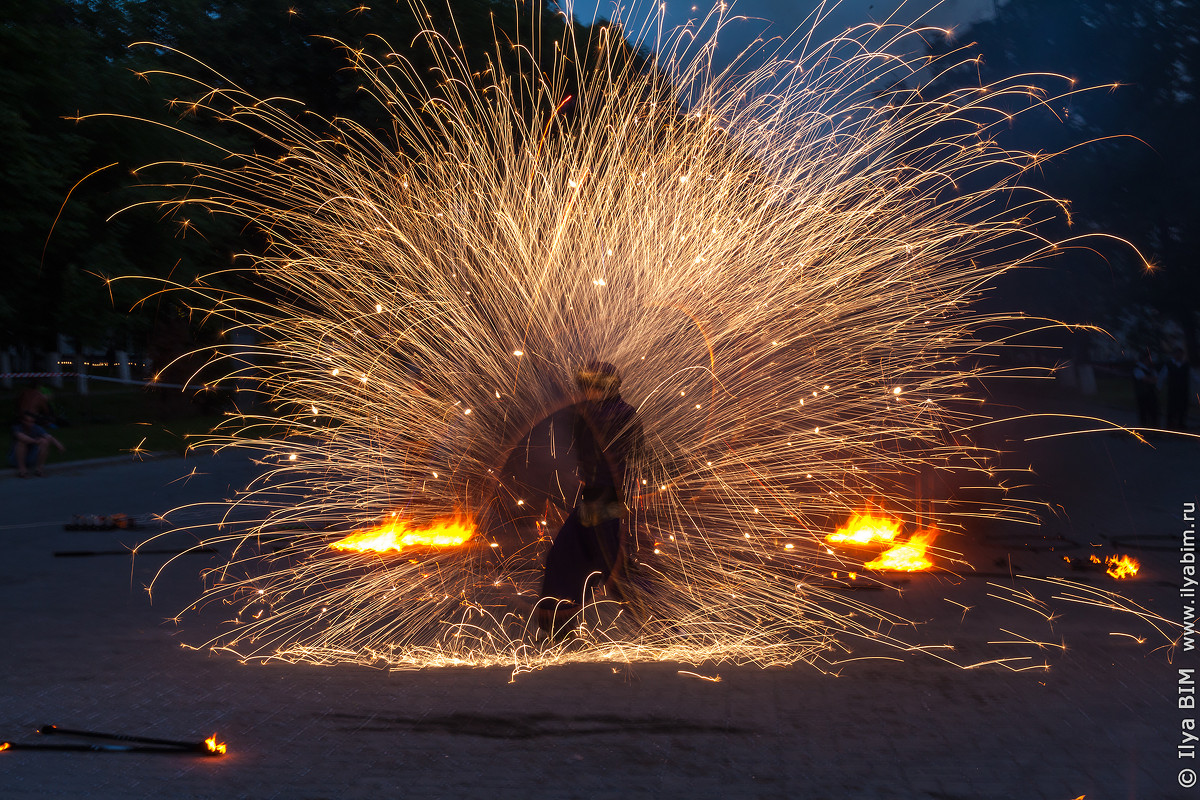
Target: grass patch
column 114, row 420
column 100, row 440
column 1115, row 391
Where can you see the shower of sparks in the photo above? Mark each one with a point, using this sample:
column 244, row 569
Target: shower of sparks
column 780, row 259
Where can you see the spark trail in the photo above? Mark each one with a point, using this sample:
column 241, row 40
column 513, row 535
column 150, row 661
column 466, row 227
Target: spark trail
column 780, row 259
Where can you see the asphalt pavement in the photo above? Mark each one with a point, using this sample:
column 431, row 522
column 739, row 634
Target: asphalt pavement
column 86, row 647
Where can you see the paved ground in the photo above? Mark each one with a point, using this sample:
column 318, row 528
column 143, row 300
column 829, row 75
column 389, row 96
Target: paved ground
column 84, row 648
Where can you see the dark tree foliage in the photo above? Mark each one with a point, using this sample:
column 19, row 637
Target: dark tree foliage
column 1137, row 178
column 65, row 58
column 44, row 156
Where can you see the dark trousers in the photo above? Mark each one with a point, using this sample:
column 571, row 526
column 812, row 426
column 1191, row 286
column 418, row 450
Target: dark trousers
column 1147, row 404
column 1177, row 409
column 579, row 552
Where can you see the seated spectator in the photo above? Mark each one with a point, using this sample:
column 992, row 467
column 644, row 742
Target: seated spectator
column 33, row 400
column 31, row 445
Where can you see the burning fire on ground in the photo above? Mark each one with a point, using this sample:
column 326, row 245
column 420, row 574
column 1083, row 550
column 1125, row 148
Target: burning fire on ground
column 1119, row 567
column 215, row 747
column 873, row 529
column 398, row 534
column 865, row 529
column 907, row 556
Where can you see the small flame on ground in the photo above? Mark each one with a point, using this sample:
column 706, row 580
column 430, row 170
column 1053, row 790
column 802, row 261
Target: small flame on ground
column 1121, row 567
column 866, row 529
column 908, row 556
column 214, row 747
column 399, row 534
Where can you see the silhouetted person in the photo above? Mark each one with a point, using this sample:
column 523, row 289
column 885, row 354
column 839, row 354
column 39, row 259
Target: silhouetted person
column 31, row 445
column 1178, row 375
column 33, row 400
column 1145, row 389
column 588, row 547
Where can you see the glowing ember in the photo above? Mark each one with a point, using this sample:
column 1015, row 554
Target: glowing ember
column 1122, row 566
column 908, row 556
column 400, row 534
column 866, row 529
column 214, row 747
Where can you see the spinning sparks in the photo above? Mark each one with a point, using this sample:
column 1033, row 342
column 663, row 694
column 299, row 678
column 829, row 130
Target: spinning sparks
column 779, row 259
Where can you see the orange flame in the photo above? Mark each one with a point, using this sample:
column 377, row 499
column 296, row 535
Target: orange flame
column 399, row 534
column 908, row 556
column 1122, row 566
column 214, row 747
column 866, row 529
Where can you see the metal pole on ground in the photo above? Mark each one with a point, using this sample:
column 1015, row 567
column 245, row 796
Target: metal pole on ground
column 55, row 369
column 123, row 371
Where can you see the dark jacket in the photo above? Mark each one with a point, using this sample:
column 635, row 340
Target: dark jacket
column 607, row 436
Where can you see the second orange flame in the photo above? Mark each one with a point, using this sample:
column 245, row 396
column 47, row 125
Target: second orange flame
column 866, row 529
column 1121, row 566
column 907, row 556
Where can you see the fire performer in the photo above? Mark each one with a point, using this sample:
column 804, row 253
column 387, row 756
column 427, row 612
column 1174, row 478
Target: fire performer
column 589, row 547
